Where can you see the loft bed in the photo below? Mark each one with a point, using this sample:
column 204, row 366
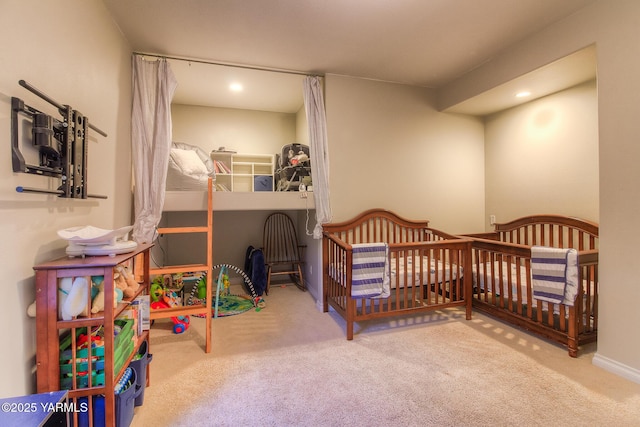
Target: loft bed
column 504, row 285
column 186, row 187
column 425, row 268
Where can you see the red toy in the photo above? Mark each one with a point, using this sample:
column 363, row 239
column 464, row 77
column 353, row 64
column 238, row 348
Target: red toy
column 169, row 299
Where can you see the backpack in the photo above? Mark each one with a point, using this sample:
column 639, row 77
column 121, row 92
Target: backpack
column 255, row 268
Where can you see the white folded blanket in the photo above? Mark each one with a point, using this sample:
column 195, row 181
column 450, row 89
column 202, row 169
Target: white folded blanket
column 370, row 270
column 554, row 274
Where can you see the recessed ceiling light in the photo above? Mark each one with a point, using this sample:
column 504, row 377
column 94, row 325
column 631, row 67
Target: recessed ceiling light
column 523, row 94
column 235, row 87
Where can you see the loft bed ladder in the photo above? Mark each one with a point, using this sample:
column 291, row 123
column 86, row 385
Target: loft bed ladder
column 207, row 268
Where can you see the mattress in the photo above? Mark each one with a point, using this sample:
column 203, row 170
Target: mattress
column 501, row 286
column 432, row 272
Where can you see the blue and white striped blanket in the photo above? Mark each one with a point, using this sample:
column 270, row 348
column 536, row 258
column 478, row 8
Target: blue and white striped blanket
column 554, row 274
column 370, row 270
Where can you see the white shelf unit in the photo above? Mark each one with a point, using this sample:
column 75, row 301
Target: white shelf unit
column 222, row 163
column 244, row 168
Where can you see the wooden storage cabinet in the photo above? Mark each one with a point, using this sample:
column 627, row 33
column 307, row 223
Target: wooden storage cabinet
column 50, row 330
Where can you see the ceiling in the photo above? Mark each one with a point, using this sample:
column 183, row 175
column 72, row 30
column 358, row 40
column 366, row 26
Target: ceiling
column 425, row 43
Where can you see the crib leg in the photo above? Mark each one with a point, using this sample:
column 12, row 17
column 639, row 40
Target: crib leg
column 325, row 298
column 350, row 315
column 572, row 333
column 468, row 297
column 572, row 344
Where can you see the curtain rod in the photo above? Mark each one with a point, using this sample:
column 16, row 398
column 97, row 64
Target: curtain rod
column 247, row 67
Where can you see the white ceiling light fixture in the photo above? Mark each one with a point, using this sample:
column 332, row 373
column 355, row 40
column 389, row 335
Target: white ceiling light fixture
column 523, row 94
column 236, row 87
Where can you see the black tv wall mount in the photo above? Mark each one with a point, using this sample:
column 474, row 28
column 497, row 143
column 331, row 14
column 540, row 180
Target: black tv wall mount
column 61, row 143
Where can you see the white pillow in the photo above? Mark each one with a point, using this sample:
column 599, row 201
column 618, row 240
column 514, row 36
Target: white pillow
column 188, row 161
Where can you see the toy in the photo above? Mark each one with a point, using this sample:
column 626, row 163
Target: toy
column 97, row 304
column 95, row 281
column 170, row 299
column 173, row 281
column 202, row 287
column 76, row 297
column 125, row 281
column 225, row 283
column 97, row 295
column 64, row 287
column 156, row 290
column 298, row 159
column 31, row 310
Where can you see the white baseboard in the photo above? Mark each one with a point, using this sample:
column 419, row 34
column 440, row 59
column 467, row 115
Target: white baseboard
column 617, row 368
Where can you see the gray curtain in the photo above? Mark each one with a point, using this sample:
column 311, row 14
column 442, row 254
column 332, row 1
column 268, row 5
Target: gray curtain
column 153, row 87
column 318, row 150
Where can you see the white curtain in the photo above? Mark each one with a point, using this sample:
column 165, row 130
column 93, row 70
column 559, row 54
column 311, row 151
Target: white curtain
column 153, row 87
column 318, row 150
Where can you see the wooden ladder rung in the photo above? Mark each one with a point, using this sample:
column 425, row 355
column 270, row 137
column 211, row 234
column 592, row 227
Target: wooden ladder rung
column 178, row 230
column 163, row 313
column 189, row 268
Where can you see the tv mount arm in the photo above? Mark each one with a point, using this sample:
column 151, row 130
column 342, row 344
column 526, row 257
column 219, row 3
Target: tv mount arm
column 62, row 146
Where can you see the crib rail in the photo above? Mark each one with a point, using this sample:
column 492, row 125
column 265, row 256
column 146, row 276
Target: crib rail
column 550, row 230
column 378, row 225
column 502, row 287
column 429, row 275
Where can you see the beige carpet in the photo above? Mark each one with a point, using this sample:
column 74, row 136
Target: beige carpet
column 290, row 365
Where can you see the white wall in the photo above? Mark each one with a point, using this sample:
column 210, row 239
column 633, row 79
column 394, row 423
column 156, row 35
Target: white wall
column 613, row 26
column 71, row 51
column 245, row 131
column 302, row 127
column 390, row 148
column 542, row 157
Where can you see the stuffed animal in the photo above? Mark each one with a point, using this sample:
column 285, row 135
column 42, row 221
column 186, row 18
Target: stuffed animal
column 75, row 303
column 31, row 310
column 125, row 281
column 96, row 281
column 64, row 287
column 97, row 303
column 129, row 277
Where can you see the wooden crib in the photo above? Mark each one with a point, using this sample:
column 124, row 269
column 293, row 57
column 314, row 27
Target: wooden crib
column 502, row 280
column 426, row 267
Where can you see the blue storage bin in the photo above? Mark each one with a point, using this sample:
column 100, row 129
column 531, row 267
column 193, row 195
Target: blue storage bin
column 125, row 402
column 262, row 183
column 139, row 364
column 97, row 415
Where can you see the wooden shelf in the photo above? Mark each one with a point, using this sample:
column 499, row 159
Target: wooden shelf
column 49, row 328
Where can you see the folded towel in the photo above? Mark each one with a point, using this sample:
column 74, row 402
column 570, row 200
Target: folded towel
column 555, row 274
column 370, row 270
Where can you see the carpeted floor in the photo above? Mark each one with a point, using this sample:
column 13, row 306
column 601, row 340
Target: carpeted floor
column 290, row 365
